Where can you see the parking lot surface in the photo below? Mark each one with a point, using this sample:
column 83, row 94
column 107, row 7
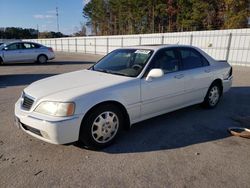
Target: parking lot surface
column 186, row 148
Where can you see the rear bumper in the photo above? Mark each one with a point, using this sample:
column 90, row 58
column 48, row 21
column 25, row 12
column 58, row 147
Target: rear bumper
column 227, row 84
column 51, row 56
column 58, row 131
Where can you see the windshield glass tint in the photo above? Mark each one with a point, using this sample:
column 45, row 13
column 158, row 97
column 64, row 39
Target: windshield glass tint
column 127, row 62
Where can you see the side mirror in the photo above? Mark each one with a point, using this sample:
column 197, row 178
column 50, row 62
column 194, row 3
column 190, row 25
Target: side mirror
column 5, row 48
column 154, row 73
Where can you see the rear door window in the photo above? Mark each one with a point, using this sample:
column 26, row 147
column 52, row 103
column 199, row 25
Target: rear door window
column 27, row 45
column 192, row 59
column 35, row 45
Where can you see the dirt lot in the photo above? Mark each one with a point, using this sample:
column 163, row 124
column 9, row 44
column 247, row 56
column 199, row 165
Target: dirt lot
column 185, row 148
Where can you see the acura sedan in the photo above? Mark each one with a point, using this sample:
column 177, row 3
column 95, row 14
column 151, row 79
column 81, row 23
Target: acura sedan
column 15, row 52
column 126, row 86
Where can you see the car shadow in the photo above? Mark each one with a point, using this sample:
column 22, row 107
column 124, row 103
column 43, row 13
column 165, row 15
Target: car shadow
column 185, row 127
column 54, row 62
column 20, row 79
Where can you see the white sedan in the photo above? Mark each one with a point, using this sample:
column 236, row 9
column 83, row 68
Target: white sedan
column 15, row 52
column 126, row 86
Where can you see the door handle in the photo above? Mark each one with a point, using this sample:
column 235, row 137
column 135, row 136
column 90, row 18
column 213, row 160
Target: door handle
column 179, row 76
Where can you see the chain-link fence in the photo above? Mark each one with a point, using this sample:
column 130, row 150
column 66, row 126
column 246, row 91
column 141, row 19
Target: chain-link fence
column 231, row 45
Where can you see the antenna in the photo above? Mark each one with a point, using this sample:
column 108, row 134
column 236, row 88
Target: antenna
column 57, row 18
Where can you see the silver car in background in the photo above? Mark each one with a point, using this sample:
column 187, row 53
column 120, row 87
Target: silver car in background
column 14, row 52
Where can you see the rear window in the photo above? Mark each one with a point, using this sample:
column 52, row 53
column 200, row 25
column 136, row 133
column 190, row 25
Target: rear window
column 36, row 45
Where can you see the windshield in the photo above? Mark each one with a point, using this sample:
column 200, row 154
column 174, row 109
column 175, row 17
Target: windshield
column 126, row 62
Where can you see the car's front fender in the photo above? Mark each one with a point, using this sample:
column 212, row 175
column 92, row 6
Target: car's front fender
column 128, row 95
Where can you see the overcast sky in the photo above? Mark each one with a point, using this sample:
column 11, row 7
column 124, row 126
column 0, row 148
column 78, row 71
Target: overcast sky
column 30, row 13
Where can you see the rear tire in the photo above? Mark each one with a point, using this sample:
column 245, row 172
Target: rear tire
column 213, row 96
column 42, row 59
column 101, row 126
column 1, row 61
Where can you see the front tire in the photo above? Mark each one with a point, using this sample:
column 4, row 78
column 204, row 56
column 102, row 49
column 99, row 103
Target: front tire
column 101, row 126
column 213, row 96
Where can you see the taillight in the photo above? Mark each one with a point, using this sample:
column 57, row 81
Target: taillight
column 230, row 72
column 51, row 49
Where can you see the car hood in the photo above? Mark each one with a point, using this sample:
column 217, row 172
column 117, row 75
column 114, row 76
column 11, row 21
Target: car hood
column 86, row 80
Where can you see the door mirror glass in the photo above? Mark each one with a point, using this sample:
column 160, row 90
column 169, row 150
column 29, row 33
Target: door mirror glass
column 154, row 73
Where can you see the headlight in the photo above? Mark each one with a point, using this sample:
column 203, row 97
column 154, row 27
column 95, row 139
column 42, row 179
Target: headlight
column 22, row 94
column 60, row 109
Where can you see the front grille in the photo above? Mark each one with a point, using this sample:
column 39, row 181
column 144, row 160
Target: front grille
column 27, row 102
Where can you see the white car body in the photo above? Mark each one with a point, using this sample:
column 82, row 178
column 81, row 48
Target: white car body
column 141, row 98
column 26, row 55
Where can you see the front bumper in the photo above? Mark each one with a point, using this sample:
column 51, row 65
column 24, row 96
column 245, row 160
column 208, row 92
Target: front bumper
column 56, row 131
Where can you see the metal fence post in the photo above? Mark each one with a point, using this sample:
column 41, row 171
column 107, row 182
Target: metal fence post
column 85, row 45
column 61, row 45
column 162, row 39
column 95, row 45
column 191, row 39
column 122, row 42
column 228, row 46
column 68, row 45
column 107, row 45
column 76, row 44
column 139, row 40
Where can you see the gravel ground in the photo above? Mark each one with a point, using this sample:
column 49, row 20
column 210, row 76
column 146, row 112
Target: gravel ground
column 185, row 148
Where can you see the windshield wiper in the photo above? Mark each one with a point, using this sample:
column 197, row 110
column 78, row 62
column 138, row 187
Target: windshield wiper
column 118, row 73
column 101, row 70
column 111, row 72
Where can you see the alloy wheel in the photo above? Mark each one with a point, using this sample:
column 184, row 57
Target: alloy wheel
column 105, row 127
column 214, row 95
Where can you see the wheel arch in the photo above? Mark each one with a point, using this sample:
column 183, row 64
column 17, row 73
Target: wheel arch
column 219, row 82
column 43, row 55
column 115, row 103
